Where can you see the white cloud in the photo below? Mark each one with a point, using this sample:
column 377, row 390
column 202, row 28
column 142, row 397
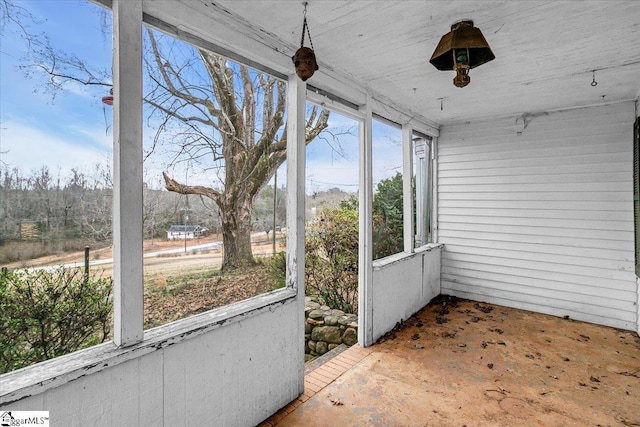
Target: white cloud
column 29, row 148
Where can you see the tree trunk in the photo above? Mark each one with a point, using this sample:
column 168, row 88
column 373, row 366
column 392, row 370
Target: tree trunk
column 236, row 235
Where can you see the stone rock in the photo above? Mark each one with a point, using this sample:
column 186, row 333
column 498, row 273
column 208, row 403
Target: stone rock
column 331, row 320
column 312, row 345
column 332, row 346
column 316, row 314
column 308, row 358
column 329, row 334
column 325, row 308
column 307, row 327
column 321, row 347
column 315, row 322
column 346, row 320
column 350, row 337
column 336, row 312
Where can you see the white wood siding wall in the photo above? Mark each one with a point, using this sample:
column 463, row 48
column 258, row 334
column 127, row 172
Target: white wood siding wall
column 537, row 213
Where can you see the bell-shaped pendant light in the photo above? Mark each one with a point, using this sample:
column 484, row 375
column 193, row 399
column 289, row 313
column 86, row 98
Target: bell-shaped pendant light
column 305, row 59
column 462, row 48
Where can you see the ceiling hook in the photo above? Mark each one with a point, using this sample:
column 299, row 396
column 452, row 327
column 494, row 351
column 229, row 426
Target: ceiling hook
column 305, row 3
column 594, row 83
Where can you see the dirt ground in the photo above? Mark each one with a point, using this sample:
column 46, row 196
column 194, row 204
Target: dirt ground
column 463, row 363
column 179, row 285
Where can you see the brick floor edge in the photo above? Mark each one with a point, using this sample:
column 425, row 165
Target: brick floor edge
column 319, row 378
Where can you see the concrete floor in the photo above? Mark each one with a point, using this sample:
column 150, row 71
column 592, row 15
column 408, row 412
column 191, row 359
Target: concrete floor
column 462, row 363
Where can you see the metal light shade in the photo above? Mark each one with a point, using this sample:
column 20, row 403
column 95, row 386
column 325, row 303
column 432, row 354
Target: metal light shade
column 462, row 48
column 305, row 62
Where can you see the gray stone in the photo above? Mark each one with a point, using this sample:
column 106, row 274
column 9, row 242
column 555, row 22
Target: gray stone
column 307, row 327
column 314, row 322
column 330, row 334
column 312, row 346
column 308, row 358
column 321, row 347
column 331, row 320
column 350, row 337
column 336, row 312
column 311, row 305
column 325, row 308
column 316, row 314
column 332, row 346
column 349, row 318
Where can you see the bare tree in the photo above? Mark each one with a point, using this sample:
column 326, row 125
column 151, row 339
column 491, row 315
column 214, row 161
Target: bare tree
column 235, row 115
column 213, row 115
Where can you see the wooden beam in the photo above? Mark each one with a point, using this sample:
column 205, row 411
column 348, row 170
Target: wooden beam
column 127, row 183
column 296, row 168
column 407, row 190
column 365, row 249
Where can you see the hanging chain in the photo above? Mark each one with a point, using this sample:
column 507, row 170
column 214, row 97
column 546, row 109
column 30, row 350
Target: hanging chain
column 305, row 26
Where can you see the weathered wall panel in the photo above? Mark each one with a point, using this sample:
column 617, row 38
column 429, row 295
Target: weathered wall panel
column 536, row 212
column 236, row 375
column 402, row 285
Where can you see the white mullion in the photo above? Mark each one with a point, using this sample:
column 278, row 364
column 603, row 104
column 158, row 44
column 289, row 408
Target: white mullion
column 296, row 169
column 127, row 179
column 365, row 250
column 407, row 190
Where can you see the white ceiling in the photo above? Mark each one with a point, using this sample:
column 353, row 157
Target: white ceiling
column 546, row 51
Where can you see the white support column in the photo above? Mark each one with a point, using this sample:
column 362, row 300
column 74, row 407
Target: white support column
column 365, row 250
column 434, row 190
column 296, row 168
column 407, row 189
column 127, row 179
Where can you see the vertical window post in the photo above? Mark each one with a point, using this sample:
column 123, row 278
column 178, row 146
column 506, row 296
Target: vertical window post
column 127, row 180
column 365, row 247
column 407, row 188
column 296, row 169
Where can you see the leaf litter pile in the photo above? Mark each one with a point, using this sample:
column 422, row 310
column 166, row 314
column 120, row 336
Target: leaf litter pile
column 175, row 297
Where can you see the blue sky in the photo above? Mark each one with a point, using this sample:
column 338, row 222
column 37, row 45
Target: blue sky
column 74, row 129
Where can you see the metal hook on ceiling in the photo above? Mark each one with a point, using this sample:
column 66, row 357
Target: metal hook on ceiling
column 594, row 83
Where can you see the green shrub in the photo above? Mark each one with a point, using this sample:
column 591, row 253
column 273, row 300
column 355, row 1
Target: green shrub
column 388, row 226
column 277, row 269
column 332, row 258
column 44, row 314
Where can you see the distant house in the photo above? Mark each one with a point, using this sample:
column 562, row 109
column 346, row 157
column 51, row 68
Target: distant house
column 186, row 232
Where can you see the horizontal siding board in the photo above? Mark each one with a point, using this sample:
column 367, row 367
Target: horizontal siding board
column 529, row 276
column 582, row 118
column 611, row 299
column 582, row 255
column 539, row 170
column 554, row 231
column 505, row 143
column 524, row 221
column 613, row 216
column 539, row 240
column 533, row 203
column 620, row 190
column 588, row 313
column 568, row 259
column 540, row 152
column 555, row 178
column 559, row 161
column 535, row 268
column 539, row 212
column 543, row 196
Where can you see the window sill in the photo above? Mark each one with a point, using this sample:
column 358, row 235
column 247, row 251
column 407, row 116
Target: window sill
column 399, row 257
column 56, row 372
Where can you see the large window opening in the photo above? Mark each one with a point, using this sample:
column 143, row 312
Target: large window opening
column 56, row 181
column 388, row 227
column 214, row 144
